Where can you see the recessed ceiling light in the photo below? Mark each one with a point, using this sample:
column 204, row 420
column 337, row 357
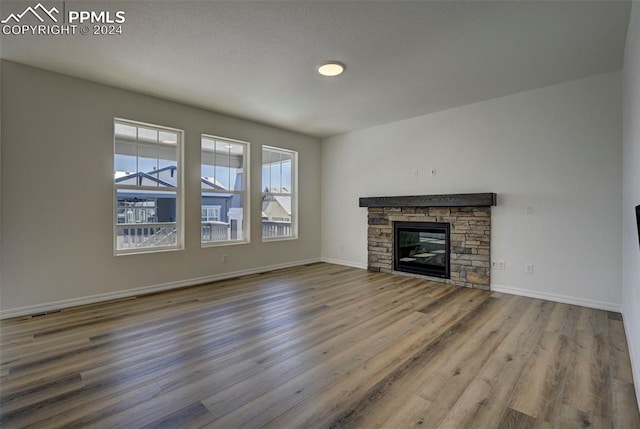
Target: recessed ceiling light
column 332, row 68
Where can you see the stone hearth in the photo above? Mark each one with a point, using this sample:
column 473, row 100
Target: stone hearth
column 470, row 263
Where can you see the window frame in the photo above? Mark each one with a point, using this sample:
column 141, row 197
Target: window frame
column 244, row 193
column 178, row 190
column 293, row 194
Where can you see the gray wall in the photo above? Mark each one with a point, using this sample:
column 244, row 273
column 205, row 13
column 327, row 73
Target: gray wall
column 57, row 192
column 557, row 149
column 631, row 193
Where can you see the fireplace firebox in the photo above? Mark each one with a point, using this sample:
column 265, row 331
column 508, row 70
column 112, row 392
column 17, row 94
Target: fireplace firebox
column 422, row 248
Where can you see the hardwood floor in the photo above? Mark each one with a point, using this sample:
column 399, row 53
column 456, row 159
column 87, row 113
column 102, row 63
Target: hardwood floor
column 320, row 346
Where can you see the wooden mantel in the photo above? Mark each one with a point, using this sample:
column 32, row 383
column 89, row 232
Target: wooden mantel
column 448, row 200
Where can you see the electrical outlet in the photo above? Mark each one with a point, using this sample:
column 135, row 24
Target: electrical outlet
column 501, row 265
column 498, row 265
column 528, row 211
column 434, row 172
column 528, row 268
column 225, row 259
column 415, row 173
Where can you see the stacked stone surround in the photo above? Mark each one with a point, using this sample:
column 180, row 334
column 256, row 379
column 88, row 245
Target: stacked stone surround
column 470, row 240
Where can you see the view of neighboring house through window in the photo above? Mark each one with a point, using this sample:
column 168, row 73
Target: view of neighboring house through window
column 147, row 187
column 224, row 189
column 279, row 193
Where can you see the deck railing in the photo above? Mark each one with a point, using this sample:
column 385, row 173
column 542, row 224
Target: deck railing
column 272, row 229
column 215, row 231
column 141, row 235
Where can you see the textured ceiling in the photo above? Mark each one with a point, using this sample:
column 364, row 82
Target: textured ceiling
column 257, row 60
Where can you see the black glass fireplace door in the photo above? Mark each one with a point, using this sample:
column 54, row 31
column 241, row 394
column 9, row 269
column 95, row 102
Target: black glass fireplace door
column 422, row 248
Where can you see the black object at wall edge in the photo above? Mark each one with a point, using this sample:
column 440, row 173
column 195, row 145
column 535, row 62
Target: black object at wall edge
column 638, row 221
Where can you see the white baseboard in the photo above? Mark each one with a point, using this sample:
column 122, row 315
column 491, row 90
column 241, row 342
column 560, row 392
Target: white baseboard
column 600, row 305
column 73, row 302
column 345, row 263
column 609, row 306
column 92, row 299
column 516, row 291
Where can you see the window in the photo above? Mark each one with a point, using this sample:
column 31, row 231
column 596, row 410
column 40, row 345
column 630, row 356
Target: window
column 224, row 189
column 147, row 187
column 210, row 213
column 279, row 193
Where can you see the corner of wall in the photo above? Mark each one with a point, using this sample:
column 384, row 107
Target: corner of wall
column 631, row 193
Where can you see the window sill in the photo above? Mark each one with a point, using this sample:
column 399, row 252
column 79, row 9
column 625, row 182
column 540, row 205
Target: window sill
column 223, row 243
column 269, row 239
column 147, row 251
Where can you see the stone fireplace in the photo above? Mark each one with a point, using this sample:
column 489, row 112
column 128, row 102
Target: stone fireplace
column 467, row 220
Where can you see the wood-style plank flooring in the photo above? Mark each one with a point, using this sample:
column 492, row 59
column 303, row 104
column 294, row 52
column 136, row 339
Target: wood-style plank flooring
column 320, row 346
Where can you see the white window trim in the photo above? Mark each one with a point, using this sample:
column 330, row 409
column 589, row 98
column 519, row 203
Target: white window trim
column 246, row 195
column 178, row 190
column 293, row 194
